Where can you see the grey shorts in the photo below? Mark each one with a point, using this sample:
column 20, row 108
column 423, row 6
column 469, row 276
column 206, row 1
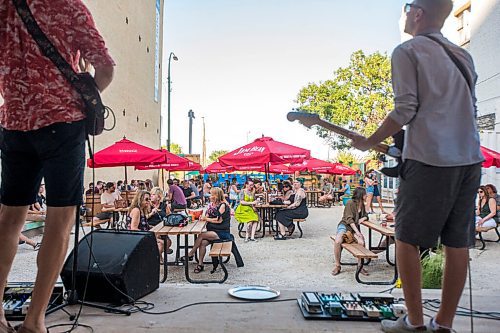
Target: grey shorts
column 436, row 202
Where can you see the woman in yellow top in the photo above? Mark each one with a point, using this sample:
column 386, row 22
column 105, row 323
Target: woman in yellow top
column 245, row 212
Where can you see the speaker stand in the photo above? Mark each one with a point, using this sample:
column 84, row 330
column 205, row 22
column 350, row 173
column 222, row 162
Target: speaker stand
column 72, row 294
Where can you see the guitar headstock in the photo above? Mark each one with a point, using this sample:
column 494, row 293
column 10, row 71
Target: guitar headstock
column 306, row 119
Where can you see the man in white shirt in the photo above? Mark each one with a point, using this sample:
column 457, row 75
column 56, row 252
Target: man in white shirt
column 108, row 199
column 435, row 99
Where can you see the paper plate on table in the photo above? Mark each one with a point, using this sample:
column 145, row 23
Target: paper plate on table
column 253, row 293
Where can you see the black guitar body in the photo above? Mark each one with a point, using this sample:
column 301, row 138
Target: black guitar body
column 399, row 141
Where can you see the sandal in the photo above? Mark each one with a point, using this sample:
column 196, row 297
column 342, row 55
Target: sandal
column 170, row 251
column 364, row 272
column 36, row 247
column 291, row 229
column 199, row 269
column 280, row 237
column 183, row 258
column 336, row 270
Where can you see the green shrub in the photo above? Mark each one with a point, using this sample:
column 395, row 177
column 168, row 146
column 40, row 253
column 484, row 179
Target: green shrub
column 432, row 270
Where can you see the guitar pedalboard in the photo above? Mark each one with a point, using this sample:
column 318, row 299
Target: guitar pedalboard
column 349, row 306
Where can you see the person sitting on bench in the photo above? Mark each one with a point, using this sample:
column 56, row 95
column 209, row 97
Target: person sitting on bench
column 486, row 211
column 175, row 196
column 348, row 227
column 218, row 216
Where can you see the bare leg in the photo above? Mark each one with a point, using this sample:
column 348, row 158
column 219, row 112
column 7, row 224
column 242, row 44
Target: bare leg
column 27, row 240
column 49, row 261
column 254, row 229
column 248, row 231
column 379, row 200
column 11, row 223
column 336, row 252
column 455, row 274
column 209, row 236
column 283, row 229
column 408, row 263
column 368, row 203
column 196, row 244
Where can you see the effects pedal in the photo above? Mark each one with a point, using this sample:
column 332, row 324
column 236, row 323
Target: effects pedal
column 353, row 309
column 311, row 302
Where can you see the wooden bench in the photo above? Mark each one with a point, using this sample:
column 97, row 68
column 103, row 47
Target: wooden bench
column 480, row 231
column 364, row 256
column 219, row 250
column 298, row 222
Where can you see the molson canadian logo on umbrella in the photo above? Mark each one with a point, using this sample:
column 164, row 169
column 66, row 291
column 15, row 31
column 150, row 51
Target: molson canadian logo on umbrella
column 263, row 151
column 320, row 166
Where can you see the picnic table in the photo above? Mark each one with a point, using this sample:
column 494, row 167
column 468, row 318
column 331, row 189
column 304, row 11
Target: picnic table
column 387, row 233
column 312, row 197
column 195, row 228
column 267, row 213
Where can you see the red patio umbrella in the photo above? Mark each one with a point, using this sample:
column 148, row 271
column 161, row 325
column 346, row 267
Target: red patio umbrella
column 216, row 167
column 314, row 165
column 262, row 151
column 125, row 153
column 171, row 162
column 491, row 158
column 341, row 169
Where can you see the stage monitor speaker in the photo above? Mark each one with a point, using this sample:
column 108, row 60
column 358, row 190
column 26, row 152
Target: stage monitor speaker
column 123, row 263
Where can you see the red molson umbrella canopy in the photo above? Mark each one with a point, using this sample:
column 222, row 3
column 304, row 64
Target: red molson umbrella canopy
column 125, row 153
column 217, row 168
column 320, row 166
column 491, row 158
column 264, row 150
column 171, row 162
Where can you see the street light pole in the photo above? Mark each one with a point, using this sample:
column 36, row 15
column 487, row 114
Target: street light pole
column 191, row 117
column 172, row 55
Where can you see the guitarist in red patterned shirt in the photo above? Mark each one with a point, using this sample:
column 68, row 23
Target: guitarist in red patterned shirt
column 42, row 135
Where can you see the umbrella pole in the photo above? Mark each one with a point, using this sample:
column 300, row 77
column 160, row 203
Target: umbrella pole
column 126, row 185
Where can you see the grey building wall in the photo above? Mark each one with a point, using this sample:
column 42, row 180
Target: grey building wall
column 130, row 29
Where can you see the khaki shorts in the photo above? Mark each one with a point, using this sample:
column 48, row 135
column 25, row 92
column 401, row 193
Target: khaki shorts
column 436, row 202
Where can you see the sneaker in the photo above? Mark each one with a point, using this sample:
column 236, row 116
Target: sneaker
column 253, row 240
column 436, row 328
column 400, row 326
column 246, row 240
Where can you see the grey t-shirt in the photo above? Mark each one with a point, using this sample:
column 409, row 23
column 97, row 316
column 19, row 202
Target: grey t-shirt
column 444, row 131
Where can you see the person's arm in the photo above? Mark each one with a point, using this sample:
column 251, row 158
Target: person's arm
column 478, row 208
column 299, row 196
column 103, row 76
column 191, row 196
column 405, row 87
column 135, row 217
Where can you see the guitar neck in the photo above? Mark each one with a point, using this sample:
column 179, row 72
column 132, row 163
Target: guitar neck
column 380, row 147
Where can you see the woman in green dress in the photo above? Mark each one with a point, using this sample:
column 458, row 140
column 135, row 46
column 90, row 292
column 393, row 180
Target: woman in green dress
column 245, row 212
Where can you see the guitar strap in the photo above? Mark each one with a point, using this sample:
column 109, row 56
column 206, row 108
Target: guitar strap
column 455, row 60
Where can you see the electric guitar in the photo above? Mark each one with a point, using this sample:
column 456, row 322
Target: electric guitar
column 310, row 119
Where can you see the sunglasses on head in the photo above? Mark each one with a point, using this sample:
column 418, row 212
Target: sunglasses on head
column 480, row 191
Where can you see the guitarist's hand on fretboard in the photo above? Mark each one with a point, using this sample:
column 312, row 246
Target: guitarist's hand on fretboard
column 360, row 142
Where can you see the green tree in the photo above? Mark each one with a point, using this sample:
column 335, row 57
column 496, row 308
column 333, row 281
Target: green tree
column 358, row 97
column 175, row 148
column 215, row 155
column 348, row 158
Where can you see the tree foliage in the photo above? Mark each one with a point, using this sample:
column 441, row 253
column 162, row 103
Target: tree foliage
column 358, row 97
column 215, row 155
column 175, row 148
column 348, row 158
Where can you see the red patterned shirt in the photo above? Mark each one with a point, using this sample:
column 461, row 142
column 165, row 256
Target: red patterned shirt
column 35, row 93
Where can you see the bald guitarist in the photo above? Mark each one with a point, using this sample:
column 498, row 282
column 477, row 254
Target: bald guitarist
column 433, row 82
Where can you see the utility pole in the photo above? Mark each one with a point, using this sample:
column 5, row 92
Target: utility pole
column 191, row 117
column 204, row 146
column 170, row 57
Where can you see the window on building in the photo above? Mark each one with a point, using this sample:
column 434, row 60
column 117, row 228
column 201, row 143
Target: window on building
column 463, row 23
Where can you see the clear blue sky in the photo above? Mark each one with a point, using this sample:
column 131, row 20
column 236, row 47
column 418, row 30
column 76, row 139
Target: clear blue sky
column 242, row 62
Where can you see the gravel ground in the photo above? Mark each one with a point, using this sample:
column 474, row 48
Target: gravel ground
column 299, row 263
